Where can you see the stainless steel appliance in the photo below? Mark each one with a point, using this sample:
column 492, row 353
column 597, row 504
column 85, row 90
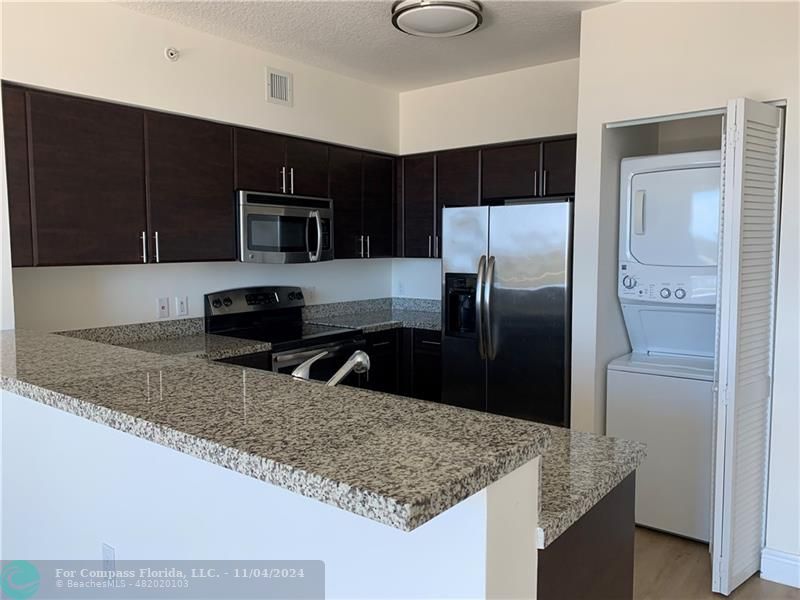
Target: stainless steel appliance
column 507, row 301
column 274, row 314
column 275, row 228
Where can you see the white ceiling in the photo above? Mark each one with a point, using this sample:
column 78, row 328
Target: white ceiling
column 356, row 37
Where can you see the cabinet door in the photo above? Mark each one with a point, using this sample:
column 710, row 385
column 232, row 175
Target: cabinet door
column 190, row 182
column 427, row 384
column 260, row 158
column 15, row 124
column 88, row 181
column 558, row 168
column 457, row 181
column 307, row 164
column 510, row 171
column 418, row 206
column 378, row 205
column 345, row 190
column 383, row 375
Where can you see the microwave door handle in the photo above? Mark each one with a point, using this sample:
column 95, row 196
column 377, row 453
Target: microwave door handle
column 479, row 305
column 318, row 254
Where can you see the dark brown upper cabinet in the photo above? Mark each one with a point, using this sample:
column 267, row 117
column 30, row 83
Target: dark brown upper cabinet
column 345, row 190
column 260, row 161
column 268, row 162
column 378, row 205
column 458, row 178
column 19, row 201
column 190, row 189
column 510, row 171
column 307, row 167
column 88, row 188
column 419, row 201
column 558, row 167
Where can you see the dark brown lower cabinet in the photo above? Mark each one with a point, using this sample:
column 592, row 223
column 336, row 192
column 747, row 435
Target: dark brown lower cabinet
column 594, row 557
column 190, row 184
column 384, row 357
column 426, row 372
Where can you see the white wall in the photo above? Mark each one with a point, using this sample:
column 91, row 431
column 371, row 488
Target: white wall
column 58, row 298
column 102, row 50
column 109, row 52
column 417, row 278
column 647, row 59
column 526, row 103
column 6, row 291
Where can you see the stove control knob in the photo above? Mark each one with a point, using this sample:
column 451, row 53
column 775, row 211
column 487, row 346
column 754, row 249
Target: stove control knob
column 299, row 295
column 628, row 282
column 291, row 296
column 680, row 293
column 665, row 293
column 227, row 301
column 216, row 303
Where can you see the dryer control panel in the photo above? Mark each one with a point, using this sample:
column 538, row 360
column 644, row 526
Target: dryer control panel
column 666, row 285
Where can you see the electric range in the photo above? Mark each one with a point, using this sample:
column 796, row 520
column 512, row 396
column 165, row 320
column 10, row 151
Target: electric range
column 274, row 314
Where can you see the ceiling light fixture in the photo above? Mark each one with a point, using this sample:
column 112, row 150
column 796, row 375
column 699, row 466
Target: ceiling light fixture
column 436, row 18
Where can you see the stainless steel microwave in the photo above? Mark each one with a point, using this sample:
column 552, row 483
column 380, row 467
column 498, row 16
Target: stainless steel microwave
column 277, row 228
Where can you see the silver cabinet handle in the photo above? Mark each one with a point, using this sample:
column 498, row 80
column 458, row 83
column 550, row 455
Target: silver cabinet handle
column 361, row 238
column 283, row 180
column 158, row 250
column 491, row 350
column 536, row 183
column 144, row 246
column 430, row 242
column 544, row 182
column 291, row 180
column 367, row 246
column 379, row 344
column 436, row 246
column 316, row 256
column 431, row 343
column 479, row 305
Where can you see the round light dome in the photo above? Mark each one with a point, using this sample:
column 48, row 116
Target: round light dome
column 436, row 18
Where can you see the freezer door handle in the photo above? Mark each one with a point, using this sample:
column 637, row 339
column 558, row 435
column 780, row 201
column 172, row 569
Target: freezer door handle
column 479, row 305
column 490, row 349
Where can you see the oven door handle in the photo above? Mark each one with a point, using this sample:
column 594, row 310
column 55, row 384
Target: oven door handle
column 318, row 254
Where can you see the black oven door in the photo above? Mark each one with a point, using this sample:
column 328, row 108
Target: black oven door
column 324, row 368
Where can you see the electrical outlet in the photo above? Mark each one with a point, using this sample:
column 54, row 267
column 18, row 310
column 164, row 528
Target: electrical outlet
column 109, row 559
column 181, row 306
column 163, row 308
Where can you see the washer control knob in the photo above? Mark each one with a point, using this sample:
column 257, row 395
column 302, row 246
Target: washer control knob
column 680, row 293
column 628, row 282
column 665, row 293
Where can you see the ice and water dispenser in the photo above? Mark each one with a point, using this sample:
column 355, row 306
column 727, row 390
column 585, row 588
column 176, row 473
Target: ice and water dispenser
column 460, row 300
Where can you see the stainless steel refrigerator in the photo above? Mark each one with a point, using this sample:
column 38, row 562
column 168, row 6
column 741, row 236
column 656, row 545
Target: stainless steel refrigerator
column 507, row 303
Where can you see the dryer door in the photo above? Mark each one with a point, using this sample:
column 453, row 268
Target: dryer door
column 674, row 218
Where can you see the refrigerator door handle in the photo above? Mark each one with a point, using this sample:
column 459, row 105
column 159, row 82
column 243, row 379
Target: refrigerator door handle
column 491, row 350
column 479, row 306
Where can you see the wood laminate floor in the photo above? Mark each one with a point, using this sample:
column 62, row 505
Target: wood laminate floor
column 672, row 568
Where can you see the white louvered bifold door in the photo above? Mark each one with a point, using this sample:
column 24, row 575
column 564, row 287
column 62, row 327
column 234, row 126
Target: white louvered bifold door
column 745, row 316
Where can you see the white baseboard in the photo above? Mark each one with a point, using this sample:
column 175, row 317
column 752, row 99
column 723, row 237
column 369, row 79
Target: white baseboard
column 780, row 567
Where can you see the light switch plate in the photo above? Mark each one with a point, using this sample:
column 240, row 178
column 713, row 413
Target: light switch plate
column 181, row 306
column 163, row 308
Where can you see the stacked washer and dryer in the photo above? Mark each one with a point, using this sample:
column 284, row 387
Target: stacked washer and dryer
column 662, row 392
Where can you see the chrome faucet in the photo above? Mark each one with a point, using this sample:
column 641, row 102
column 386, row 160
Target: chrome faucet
column 358, row 362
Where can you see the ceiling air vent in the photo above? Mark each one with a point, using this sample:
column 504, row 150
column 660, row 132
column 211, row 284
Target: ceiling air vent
column 279, row 87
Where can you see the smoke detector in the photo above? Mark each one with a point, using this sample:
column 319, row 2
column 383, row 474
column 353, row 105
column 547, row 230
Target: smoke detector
column 437, row 18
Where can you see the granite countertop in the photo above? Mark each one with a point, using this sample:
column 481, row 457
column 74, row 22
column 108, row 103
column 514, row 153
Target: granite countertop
column 379, row 320
column 395, row 460
column 578, row 470
column 200, row 345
